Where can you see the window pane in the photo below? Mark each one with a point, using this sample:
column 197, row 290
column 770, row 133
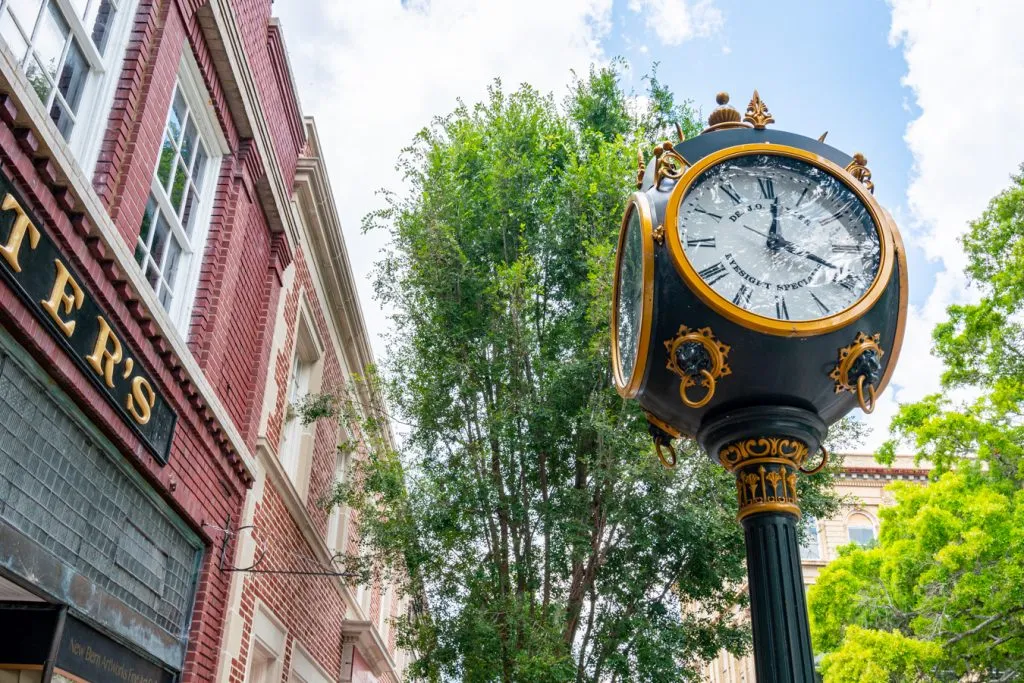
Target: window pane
column 166, row 165
column 178, row 189
column 160, row 235
column 26, row 12
column 147, row 221
column 166, row 296
column 72, row 76
column 810, row 549
column 200, row 168
column 188, row 218
column 105, row 12
column 49, row 40
column 170, row 268
column 13, row 36
column 188, row 144
column 37, row 77
column 177, row 118
column 153, row 275
column 62, row 117
column 862, row 535
column 140, row 252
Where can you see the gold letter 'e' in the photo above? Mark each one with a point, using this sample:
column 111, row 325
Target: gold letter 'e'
column 21, row 223
column 60, row 297
column 141, row 401
column 106, row 354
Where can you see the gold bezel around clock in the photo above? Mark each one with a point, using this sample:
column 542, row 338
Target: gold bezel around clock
column 785, row 328
column 629, row 386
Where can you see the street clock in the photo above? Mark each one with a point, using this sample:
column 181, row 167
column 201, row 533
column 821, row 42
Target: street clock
column 760, row 295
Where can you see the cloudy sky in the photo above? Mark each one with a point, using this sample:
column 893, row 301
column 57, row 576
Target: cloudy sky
column 929, row 91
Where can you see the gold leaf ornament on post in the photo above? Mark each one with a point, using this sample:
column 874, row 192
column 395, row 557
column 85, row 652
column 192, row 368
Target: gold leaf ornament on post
column 697, row 355
column 757, row 113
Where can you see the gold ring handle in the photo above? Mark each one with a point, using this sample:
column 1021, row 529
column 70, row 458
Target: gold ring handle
column 669, row 463
column 821, row 465
column 709, row 382
column 868, row 406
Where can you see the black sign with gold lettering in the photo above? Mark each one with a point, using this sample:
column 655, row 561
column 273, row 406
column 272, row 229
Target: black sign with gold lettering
column 88, row 654
column 42, row 277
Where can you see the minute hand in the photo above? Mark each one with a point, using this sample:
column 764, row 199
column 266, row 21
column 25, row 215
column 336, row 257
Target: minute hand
column 792, row 248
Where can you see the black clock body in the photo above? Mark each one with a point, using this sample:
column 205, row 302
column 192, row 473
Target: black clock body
column 767, row 369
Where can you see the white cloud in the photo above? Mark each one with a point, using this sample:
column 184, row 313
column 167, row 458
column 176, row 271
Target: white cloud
column 373, row 73
column 676, row 21
column 964, row 66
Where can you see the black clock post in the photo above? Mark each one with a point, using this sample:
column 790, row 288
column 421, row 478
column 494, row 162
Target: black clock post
column 760, row 295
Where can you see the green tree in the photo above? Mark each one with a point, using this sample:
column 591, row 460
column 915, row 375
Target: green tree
column 525, row 501
column 949, row 567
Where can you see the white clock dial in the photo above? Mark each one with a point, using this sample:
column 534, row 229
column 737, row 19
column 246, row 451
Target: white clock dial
column 779, row 237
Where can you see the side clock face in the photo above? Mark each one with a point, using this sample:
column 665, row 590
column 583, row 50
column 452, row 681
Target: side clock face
column 779, row 237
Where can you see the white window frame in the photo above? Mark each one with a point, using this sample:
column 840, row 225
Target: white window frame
column 337, row 521
column 101, row 81
column 296, row 442
column 812, row 523
column 270, row 636
column 198, row 100
column 304, row 669
column 871, row 524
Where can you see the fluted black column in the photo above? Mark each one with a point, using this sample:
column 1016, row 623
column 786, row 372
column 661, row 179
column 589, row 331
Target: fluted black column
column 778, row 610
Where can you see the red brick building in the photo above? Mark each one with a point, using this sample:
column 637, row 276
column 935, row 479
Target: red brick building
column 172, row 274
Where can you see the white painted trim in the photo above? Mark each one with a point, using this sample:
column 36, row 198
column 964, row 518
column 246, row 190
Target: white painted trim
column 98, row 97
column 307, row 668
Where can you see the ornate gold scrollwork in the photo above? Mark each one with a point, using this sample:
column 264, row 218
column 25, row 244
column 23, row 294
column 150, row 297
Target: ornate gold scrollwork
column 858, row 168
column 669, row 165
column 641, row 168
column 694, row 354
column 766, row 472
column 757, row 113
column 862, row 358
column 658, row 234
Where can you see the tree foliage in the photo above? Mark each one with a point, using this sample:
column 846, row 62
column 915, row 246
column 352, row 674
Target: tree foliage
column 525, row 501
column 949, row 567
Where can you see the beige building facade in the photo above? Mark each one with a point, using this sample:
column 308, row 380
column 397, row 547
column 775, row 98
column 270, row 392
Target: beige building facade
column 863, row 481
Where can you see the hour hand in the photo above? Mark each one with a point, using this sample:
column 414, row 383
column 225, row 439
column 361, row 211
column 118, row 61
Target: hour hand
column 774, row 238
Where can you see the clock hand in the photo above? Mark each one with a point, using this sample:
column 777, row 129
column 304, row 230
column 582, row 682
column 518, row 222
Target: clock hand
column 792, row 248
column 774, row 238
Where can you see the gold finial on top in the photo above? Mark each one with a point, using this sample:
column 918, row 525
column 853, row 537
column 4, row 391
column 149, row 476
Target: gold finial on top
column 724, row 116
column 757, row 113
column 641, row 168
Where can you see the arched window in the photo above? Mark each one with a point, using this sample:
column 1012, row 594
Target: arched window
column 861, row 529
column 810, row 547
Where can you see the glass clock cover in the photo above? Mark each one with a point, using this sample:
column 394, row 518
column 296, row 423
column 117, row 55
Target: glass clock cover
column 629, row 303
column 779, row 237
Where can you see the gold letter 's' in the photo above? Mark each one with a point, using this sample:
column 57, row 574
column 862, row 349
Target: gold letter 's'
column 141, row 400
column 106, row 354
column 62, row 297
column 21, row 224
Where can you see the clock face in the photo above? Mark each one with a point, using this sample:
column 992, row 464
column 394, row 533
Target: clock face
column 779, row 237
column 629, row 303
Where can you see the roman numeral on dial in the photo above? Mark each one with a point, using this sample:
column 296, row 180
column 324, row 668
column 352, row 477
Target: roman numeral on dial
column 700, row 209
column 781, row 312
column 821, row 304
column 742, row 297
column 834, row 217
column 767, row 187
column 697, row 242
column 731, row 191
column 850, row 282
column 847, row 248
column 713, row 273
